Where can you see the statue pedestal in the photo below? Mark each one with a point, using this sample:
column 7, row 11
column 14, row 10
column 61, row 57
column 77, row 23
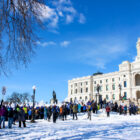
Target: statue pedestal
column 52, row 101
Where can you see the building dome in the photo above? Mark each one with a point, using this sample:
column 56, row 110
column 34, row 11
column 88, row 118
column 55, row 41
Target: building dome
column 97, row 73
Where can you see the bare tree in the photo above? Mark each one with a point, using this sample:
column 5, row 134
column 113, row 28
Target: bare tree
column 19, row 98
column 26, row 98
column 15, row 98
column 18, row 20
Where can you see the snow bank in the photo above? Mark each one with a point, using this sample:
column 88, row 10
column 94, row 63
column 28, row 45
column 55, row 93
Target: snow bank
column 99, row 128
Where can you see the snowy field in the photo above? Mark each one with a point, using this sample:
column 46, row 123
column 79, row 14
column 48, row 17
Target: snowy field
column 115, row 127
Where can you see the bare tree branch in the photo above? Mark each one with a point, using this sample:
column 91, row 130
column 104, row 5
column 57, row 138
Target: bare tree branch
column 18, row 20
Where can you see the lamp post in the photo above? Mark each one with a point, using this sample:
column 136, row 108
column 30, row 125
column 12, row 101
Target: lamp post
column 120, row 88
column 98, row 89
column 33, row 110
column 3, row 92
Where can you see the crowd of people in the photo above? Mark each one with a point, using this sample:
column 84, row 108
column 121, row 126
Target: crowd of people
column 12, row 115
column 23, row 113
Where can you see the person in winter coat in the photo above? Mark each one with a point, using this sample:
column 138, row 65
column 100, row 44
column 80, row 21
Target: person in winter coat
column 21, row 117
column 98, row 106
column 120, row 109
column 95, row 107
column 92, row 106
column 130, row 109
column 89, row 111
column 10, row 117
column 84, row 108
column 68, row 109
column 125, row 109
column 45, row 113
column 75, row 110
column 134, row 110
column 55, row 113
column 79, row 108
column 49, row 113
column 30, row 114
column 116, row 107
column 15, row 116
column 64, row 112
column 3, row 115
column 137, row 109
column 26, row 112
column 61, row 112
column 108, row 110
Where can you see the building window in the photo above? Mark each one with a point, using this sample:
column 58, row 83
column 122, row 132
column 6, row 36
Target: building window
column 86, row 98
column 80, row 98
column 71, row 86
column 100, row 81
column 119, row 78
column 106, row 87
column 113, row 79
column 106, row 80
column 81, row 84
column 94, row 82
column 137, row 80
column 76, row 84
column 81, row 90
column 125, row 95
column 86, row 83
column 107, row 97
column 125, row 84
column 75, row 90
column 113, row 96
column 113, row 87
column 71, row 91
column 95, row 89
column 124, row 75
column 86, row 89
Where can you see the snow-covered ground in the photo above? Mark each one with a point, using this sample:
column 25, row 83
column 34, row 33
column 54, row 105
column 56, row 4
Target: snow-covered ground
column 100, row 128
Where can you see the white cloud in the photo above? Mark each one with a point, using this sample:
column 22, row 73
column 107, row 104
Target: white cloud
column 47, row 14
column 82, row 19
column 99, row 52
column 69, row 19
column 55, row 11
column 62, row 2
column 70, row 10
column 64, row 43
column 45, row 44
column 59, row 10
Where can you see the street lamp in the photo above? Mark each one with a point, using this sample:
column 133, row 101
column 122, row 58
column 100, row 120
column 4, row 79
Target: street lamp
column 120, row 88
column 98, row 89
column 3, row 92
column 33, row 110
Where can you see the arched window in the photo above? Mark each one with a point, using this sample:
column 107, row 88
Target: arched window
column 137, row 80
column 86, row 98
column 138, row 95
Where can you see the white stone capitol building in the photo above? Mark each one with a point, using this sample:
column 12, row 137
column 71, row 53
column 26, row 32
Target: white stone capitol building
column 113, row 86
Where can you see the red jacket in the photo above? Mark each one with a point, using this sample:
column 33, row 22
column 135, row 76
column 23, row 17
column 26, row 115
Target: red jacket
column 107, row 109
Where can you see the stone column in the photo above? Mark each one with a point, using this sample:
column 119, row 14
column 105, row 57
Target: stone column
column 138, row 49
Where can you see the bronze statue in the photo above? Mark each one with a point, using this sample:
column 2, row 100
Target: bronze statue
column 54, row 97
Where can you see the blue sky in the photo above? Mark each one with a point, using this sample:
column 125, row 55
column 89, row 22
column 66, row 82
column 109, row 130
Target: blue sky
column 82, row 37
